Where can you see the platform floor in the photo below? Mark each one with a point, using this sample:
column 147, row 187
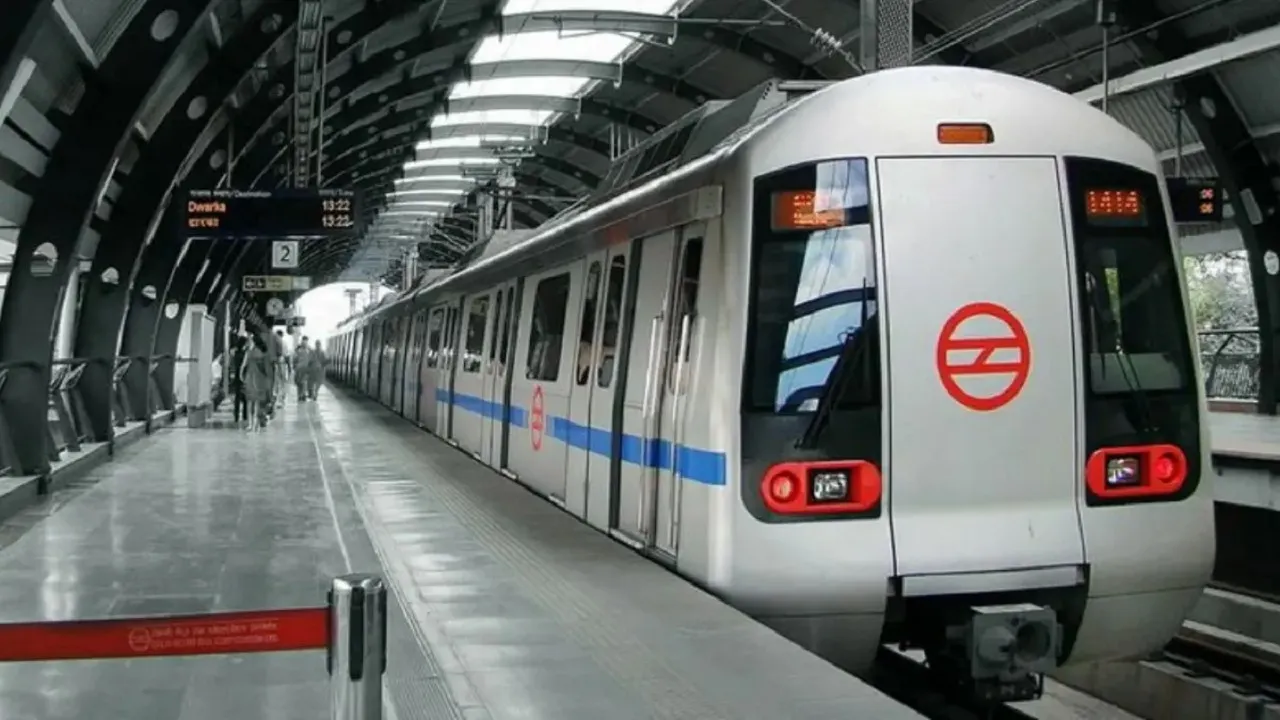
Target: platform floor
column 505, row 607
column 1245, row 435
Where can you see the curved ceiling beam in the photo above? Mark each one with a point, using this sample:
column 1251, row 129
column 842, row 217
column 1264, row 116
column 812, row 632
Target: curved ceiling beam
column 263, row 155
column 359, row 168
column 1245, row 174
column 396, row 153
column 363, row 146
column 579, row 182
column 338, row 89
column 131, row 231
column 66, row 198
column 275, row 98
column 23, row 21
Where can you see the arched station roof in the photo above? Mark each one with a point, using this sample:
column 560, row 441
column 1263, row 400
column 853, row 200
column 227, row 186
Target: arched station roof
column 107, row 105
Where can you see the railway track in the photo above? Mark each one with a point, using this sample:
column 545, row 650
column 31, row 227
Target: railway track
column 1251, row 668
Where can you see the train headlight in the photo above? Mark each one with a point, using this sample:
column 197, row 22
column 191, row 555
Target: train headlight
column 1124, row 471
column 829, row 485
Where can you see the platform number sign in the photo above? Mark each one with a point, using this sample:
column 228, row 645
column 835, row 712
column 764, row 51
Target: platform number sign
column 284, row 254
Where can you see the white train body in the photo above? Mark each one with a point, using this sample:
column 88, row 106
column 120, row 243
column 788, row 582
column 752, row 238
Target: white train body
column 1020, row 418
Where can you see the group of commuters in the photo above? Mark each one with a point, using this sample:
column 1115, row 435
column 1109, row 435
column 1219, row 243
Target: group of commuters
column 259, row 372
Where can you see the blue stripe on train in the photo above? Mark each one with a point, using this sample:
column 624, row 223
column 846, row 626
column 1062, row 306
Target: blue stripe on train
column 702, row 466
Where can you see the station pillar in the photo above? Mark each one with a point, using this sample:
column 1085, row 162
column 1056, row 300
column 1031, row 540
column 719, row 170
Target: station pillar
column 887, row 34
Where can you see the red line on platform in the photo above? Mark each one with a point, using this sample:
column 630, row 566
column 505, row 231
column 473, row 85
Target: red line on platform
column 212, row 634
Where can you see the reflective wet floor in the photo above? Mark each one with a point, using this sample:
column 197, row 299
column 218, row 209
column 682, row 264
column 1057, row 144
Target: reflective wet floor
column 504, row 606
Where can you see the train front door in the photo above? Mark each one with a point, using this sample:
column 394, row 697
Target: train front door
column 662, row 347
column 592, row 398
column 982, row 374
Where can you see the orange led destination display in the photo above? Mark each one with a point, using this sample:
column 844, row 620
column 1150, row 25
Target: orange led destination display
column 1113, row 203
column 278, row 213
column 794, row 210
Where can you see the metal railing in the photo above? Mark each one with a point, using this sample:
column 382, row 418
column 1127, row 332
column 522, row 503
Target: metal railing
column 1230, row 358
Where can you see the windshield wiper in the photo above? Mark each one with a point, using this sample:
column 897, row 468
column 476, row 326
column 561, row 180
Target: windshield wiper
column 850, row 353
column 1100, row 306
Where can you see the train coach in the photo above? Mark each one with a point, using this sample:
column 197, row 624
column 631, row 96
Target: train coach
column 905, row 359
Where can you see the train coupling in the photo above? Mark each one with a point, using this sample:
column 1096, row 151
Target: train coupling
column 1007, row 650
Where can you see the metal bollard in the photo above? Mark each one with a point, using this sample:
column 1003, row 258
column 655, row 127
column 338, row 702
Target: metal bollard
column 357, row 656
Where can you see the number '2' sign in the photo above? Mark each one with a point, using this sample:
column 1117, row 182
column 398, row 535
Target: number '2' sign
column 284, row 254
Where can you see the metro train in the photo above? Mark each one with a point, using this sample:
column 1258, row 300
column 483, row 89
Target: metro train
column 903, row 359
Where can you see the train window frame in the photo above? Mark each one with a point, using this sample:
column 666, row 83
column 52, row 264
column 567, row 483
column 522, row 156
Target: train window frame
column 1127, row 362
column 474, row 334
column 547, row 368
column 435, row 332
column 508, row 322
column 498, row 309
column 615, row 279
column 691, row 249
column 1108, row 247
column 857, row 231
column 587, row 311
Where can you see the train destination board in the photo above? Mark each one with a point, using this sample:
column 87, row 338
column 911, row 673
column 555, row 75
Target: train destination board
column 268, row 213
column 275, row 283
column 1195, row 199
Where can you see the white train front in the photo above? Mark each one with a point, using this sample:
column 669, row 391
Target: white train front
column 906, row 359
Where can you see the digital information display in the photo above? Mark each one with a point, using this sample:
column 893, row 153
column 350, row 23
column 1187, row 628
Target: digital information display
column 1115, row 206
column 794, row 210
column 268, row 213
column 275, row 283
column 1193, row 200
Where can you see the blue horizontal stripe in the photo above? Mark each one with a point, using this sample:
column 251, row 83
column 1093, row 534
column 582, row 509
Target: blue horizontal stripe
column 702, row 466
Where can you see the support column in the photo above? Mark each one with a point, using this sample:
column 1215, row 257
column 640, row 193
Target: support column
column 887, row 34
column 65, row 346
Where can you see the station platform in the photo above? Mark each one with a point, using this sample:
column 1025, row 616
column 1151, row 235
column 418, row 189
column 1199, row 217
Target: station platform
column 1246, row 435
column 504, row 606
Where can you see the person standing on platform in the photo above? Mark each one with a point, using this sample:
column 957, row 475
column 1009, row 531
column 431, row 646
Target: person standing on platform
column 315, row 370
column 281, row 367
column 239, row 404
column 302, row 366
column 257, row 374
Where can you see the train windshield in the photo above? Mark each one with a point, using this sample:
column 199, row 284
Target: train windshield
column 813, row 294
column 1136, row 347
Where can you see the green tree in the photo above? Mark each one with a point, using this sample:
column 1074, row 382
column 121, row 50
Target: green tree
column 1221, row 291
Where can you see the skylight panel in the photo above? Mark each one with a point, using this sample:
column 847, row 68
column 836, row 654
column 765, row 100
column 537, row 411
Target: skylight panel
column 464, row 141
column 491, row 117
column 447, row 161
column 552, row 45
column 437, row 180
column 459, row 191
column 652, row 7
column 424, row 203
column 553, row 85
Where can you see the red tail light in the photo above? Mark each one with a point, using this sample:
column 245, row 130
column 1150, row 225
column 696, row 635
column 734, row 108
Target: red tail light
column 821, row 488
column 1136, row 471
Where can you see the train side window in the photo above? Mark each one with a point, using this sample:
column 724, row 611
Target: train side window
column 546, row 329
column 686, row 305
column 506, row 328
column 473, row 350
column 450, row 338
column 497, row 321
column 587, row 335
column 434, row 327
column 612, row 319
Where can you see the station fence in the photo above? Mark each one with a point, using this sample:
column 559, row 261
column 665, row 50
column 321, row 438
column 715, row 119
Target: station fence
column 1230, row 358
column 351, row 628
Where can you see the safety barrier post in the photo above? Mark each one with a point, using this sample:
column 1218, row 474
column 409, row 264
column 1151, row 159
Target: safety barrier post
column 351, row 629
column 357, row 646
